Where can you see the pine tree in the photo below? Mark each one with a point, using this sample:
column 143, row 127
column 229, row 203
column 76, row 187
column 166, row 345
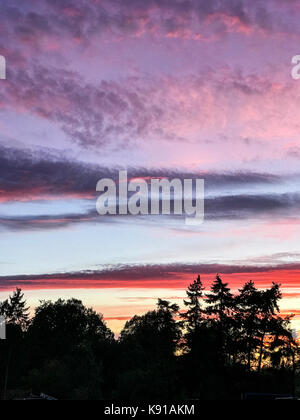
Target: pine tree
column 14, row 309
column 220, row 300
column 248, row 305
column 220, row 308
column 194, row 315
column 283, row 346
column 168, row 327
column 268, row 310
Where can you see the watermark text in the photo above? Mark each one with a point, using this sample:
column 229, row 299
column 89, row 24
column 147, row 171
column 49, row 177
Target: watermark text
column 2, row 67
column 295, row 73
column 155, row 196
column 2, row 328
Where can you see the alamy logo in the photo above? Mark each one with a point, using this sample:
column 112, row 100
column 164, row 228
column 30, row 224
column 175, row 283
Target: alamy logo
column 296, row 67
column 2, row 67
column 2, row 328
column 155, row 197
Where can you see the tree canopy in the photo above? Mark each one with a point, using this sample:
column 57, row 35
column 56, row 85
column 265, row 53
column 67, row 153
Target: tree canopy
column 224, row 343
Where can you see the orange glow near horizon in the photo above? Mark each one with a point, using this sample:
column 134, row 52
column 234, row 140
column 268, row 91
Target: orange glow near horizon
column 120, row 299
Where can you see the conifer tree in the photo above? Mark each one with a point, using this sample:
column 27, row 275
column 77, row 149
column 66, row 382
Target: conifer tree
column 194, row 315
column 14, row 309
column 220, row 308
column 268, row 310
column 220, row 300
column 248, row 305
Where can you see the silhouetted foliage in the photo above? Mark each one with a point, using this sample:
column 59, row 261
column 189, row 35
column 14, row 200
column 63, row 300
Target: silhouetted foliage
column 14, row 309
column 148, row 344
column 58, row 327
column 194, row 315
column 224, row 344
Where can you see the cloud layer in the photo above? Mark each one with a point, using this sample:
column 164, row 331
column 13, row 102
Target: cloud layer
column 176, row 276
column 164, row 88
column 37, row 177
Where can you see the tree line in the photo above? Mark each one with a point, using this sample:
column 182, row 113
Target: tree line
column 220, row 346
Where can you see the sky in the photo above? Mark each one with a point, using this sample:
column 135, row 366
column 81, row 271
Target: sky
column 163, row 89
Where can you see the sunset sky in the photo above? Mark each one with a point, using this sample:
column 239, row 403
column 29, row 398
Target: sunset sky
column 161, row 88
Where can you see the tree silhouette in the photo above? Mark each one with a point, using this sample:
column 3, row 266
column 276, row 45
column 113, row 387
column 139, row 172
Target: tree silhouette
column 157, row 331
column 73, row 338
column 267, row 310
column 248, row 303
column 148, row 345
column 221, row 346
column 220, row 308
column 195, row 327
column 220, row 300
column 194, row 314
column 16, row 315
column 59, row 326
column 14, row 309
